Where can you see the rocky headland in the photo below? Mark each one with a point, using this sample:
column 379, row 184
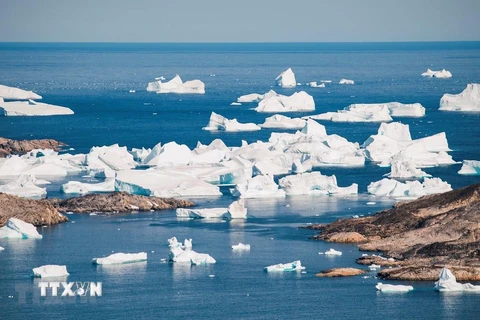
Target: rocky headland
column 11, row 147
column 420, row 237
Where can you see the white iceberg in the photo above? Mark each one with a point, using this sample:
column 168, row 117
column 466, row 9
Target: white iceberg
column 437, row 74
column 185, row 254
column 31, row 108
column 333, row 252
column 314, row 183
column 299, row 101
column 255, row 97
column 77, row 187
column 16, row 228
column 12, row 93
column 236, row 210
column 410, row 189
column 108, row 159
column 374, row 267
column 286, row 267
column 470, row 167
column 357, row 113
column 448, row 282
column 241, row 247
column 467, row 100
column 313, row 128
column 346, row 81
column 314, row 84
column 404, row 168
column 25, row 186
column 140, row 154
column 176, row 85
column 169, row 154
column 262, row 186
column 278, row 121
column 121, row 258
column 50, row 271
column 2, row 248
column 286, row 79
column 220, row 123
column 392, row 288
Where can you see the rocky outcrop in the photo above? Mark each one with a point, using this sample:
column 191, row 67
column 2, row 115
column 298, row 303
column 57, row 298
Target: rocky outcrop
column 9, row 146
column 36, row 212
column 340, row 272
column 117, row 202
column 422, row 235
column 346, row 237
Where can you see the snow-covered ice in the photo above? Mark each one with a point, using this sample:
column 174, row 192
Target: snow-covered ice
column 467, row 100
column 448, row 282
column 12, row 93
column 220, row 123
column 299, row 101
column 16, row 228
column 176, row 85
column 286, row 79
column 410, row 189
column 392, row 288
column 470, row 167
column 50, row 271
column 278, row 121
column 314, row 84
column 333, row 252
column 255, row 97
column 437, row 74
column 25, row 186
column 314, row 183
column 185, row 254
column 121, row 258
column 236, row 210
column 261, row 186
column 31, row 108
column 286, row 267
column 77, row 187
column 241, row 247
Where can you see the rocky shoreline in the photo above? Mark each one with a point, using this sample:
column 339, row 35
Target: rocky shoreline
column 13, row 147
column 420, row 237
column 47, row 211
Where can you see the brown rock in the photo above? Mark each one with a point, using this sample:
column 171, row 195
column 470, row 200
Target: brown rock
column 117, row 202
column 340, row 272
column 9, row 146
column 430, row 273
column 36, row 212
column 346, row 237
column 368, row 260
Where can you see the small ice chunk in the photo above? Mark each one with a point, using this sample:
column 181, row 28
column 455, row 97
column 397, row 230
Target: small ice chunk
column 121, row 258
column 374, row 266
column 220, row 123
column 286, row 267
column 333, row 252
column 393, row 288
column 50, row 271
column 346, row 81
column 241, row 247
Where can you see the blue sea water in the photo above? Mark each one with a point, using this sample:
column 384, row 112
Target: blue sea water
column 94, row 80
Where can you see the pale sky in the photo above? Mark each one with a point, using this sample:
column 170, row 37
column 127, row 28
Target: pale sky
column 238, row 20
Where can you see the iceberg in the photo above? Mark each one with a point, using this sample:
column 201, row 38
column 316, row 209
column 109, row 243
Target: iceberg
column 16, row 228
column 140, row 154
column 314, row 183
column 398, row 109
column 278, row 121
column 299, row 101
column 410, row 189
column 255, row 97
column 346, row 81
column 169, row 154
column 185, row 254
column 314, row 84
column 50, row 271
column 286, row 267
column 357, row 113
column 393, row 288
column 437, row 74
column 220, row 123
column 448, row 282
column 121, row 258
column 333, row 252
column 404, row 168
column 236, row 210
column 12, row 93
column 470, row 167
column 176, row 85
column 109, row 158
column 77, row 187
column 467, row 100
column 2, row 248
column 241, row 247
column 286, row 79
column 25, row 186
column 31, row 108
column 313, row 128
column 262, row 186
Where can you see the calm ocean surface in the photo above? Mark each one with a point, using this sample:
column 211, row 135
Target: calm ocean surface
column 94, row 81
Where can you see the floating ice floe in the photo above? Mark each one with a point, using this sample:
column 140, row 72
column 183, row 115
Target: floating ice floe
column 333, row 252
column 278, row 121
column 103, row 161
column 25, row 186
column 121, row 258
column 185, row 254
column 12, row 93
column 176, row 85
column 448, row 282
column 262, row 186
column 286, row 79
column 299, row 101
column 286, row 267
column 220, row 123
column 255, row 97
column 314, row 183
column 236, row 210
column 2, row 248
column 467, row 100
column 392, row 288
column 235, row 104
column 346, row 81
column 77, row 187
column 314, row 84
column 470, row 167
column 374, row 266
column 31, row 108
column 50, row 271
column 408, row 190
column 241, row 247
column 437, row 74
column 16, row 228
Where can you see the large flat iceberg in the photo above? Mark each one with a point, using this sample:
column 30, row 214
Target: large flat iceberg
column 50, row 271
column 16, row 228
column 286, row 267
column 121, row 258
column 220, row 123
column 448, row 282
column 286, row 79
column 467, row 100
column 82, row 188
column 299, row 101
column 176, row 85
column 12, row 93
column 393, row 288
column 31, row 108
column 314, row 183
column 236, row 210
column 25, row 186
column 408, row 190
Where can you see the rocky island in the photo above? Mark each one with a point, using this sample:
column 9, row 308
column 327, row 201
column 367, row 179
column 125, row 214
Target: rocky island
column 11, row 147
column 418, row 237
